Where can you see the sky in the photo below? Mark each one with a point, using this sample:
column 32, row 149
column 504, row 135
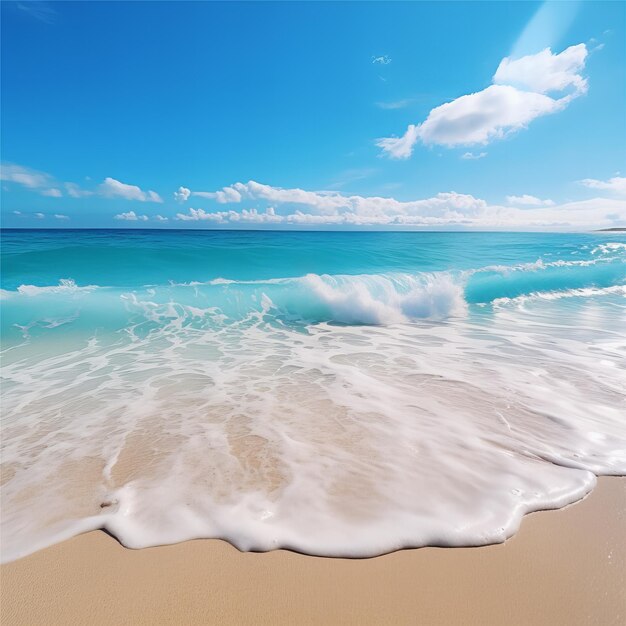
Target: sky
column 397, row 115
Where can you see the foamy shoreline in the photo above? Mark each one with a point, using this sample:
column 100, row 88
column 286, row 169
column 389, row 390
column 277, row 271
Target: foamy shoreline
column 566, row 566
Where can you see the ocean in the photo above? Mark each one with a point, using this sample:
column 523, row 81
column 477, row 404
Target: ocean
column 335, row 393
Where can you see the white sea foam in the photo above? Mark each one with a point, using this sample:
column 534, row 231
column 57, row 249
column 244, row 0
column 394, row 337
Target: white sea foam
column 334, row 440
column 387, row 300
column 65, row 286
column 585, row 292
column 609, row 247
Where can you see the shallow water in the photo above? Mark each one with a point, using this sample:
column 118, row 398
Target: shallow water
column 336, row 393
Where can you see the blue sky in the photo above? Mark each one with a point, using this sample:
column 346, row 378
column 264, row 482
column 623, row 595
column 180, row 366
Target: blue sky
column 343, row 115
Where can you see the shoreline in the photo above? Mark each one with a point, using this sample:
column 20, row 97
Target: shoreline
column 563, row 566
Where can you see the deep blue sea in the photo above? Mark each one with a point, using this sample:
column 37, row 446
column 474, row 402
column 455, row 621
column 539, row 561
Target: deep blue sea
column 340, row 393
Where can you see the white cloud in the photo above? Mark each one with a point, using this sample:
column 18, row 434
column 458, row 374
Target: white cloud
column 131, row 216
column 182, row 194
column 400, row 147
column 481, row 117
column 381, row 60
column 52, row 193
column 502, row 108
column 528, row 200
column 332, row 202
column 39, row 216
column 226, row 195
column 449, row 209
column 246, row 215
column 17, row 213
column 111, row 188
column 24, row 176
column 61, row 217
column 616, row 185
column 544, row 72
column 160, row 218
column 472, row 156
column 46, row 185
column 195, row 215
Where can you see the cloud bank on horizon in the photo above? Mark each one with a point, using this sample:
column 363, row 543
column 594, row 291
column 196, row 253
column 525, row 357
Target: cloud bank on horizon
column 329, row 208
column 517, row 96
column 300, row 207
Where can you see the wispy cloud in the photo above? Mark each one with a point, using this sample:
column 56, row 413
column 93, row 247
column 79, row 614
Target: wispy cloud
column 381, row 60
column 52, row 193
column 472, row 156
column 350, row 176
column 516, row 97
column 528, row 200
column 616, row 185
column 58, row 216
column 41, row 11
column 25, row 176
column 394, row 104
column 112, row 188
column 46, row 185
column 75, row 191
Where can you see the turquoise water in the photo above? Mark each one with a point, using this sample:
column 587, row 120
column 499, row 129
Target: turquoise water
column 341, row 393
column 306, row 276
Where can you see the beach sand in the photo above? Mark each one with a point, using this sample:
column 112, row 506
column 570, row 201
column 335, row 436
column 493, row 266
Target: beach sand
column 563, row 567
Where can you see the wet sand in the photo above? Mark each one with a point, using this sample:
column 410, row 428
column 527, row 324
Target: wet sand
column 563, row 567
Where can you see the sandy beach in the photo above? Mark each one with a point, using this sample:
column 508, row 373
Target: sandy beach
column 563, row 567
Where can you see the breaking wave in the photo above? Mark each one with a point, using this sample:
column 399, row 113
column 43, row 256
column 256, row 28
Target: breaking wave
column 377, row 299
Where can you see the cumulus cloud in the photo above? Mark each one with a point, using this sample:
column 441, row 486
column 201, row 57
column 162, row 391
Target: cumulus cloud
column 381, row 60
column 545, row 72
column 449, row 209
column 472, row 156
column 245, row 216
column 160, row 218
column 182, row 194
column 112, row 188
column 131, row 216
column 616, row 185
column 528, row 200
column 481, row 117
column 517, row 97
column 61, row 217
column 39, row 216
